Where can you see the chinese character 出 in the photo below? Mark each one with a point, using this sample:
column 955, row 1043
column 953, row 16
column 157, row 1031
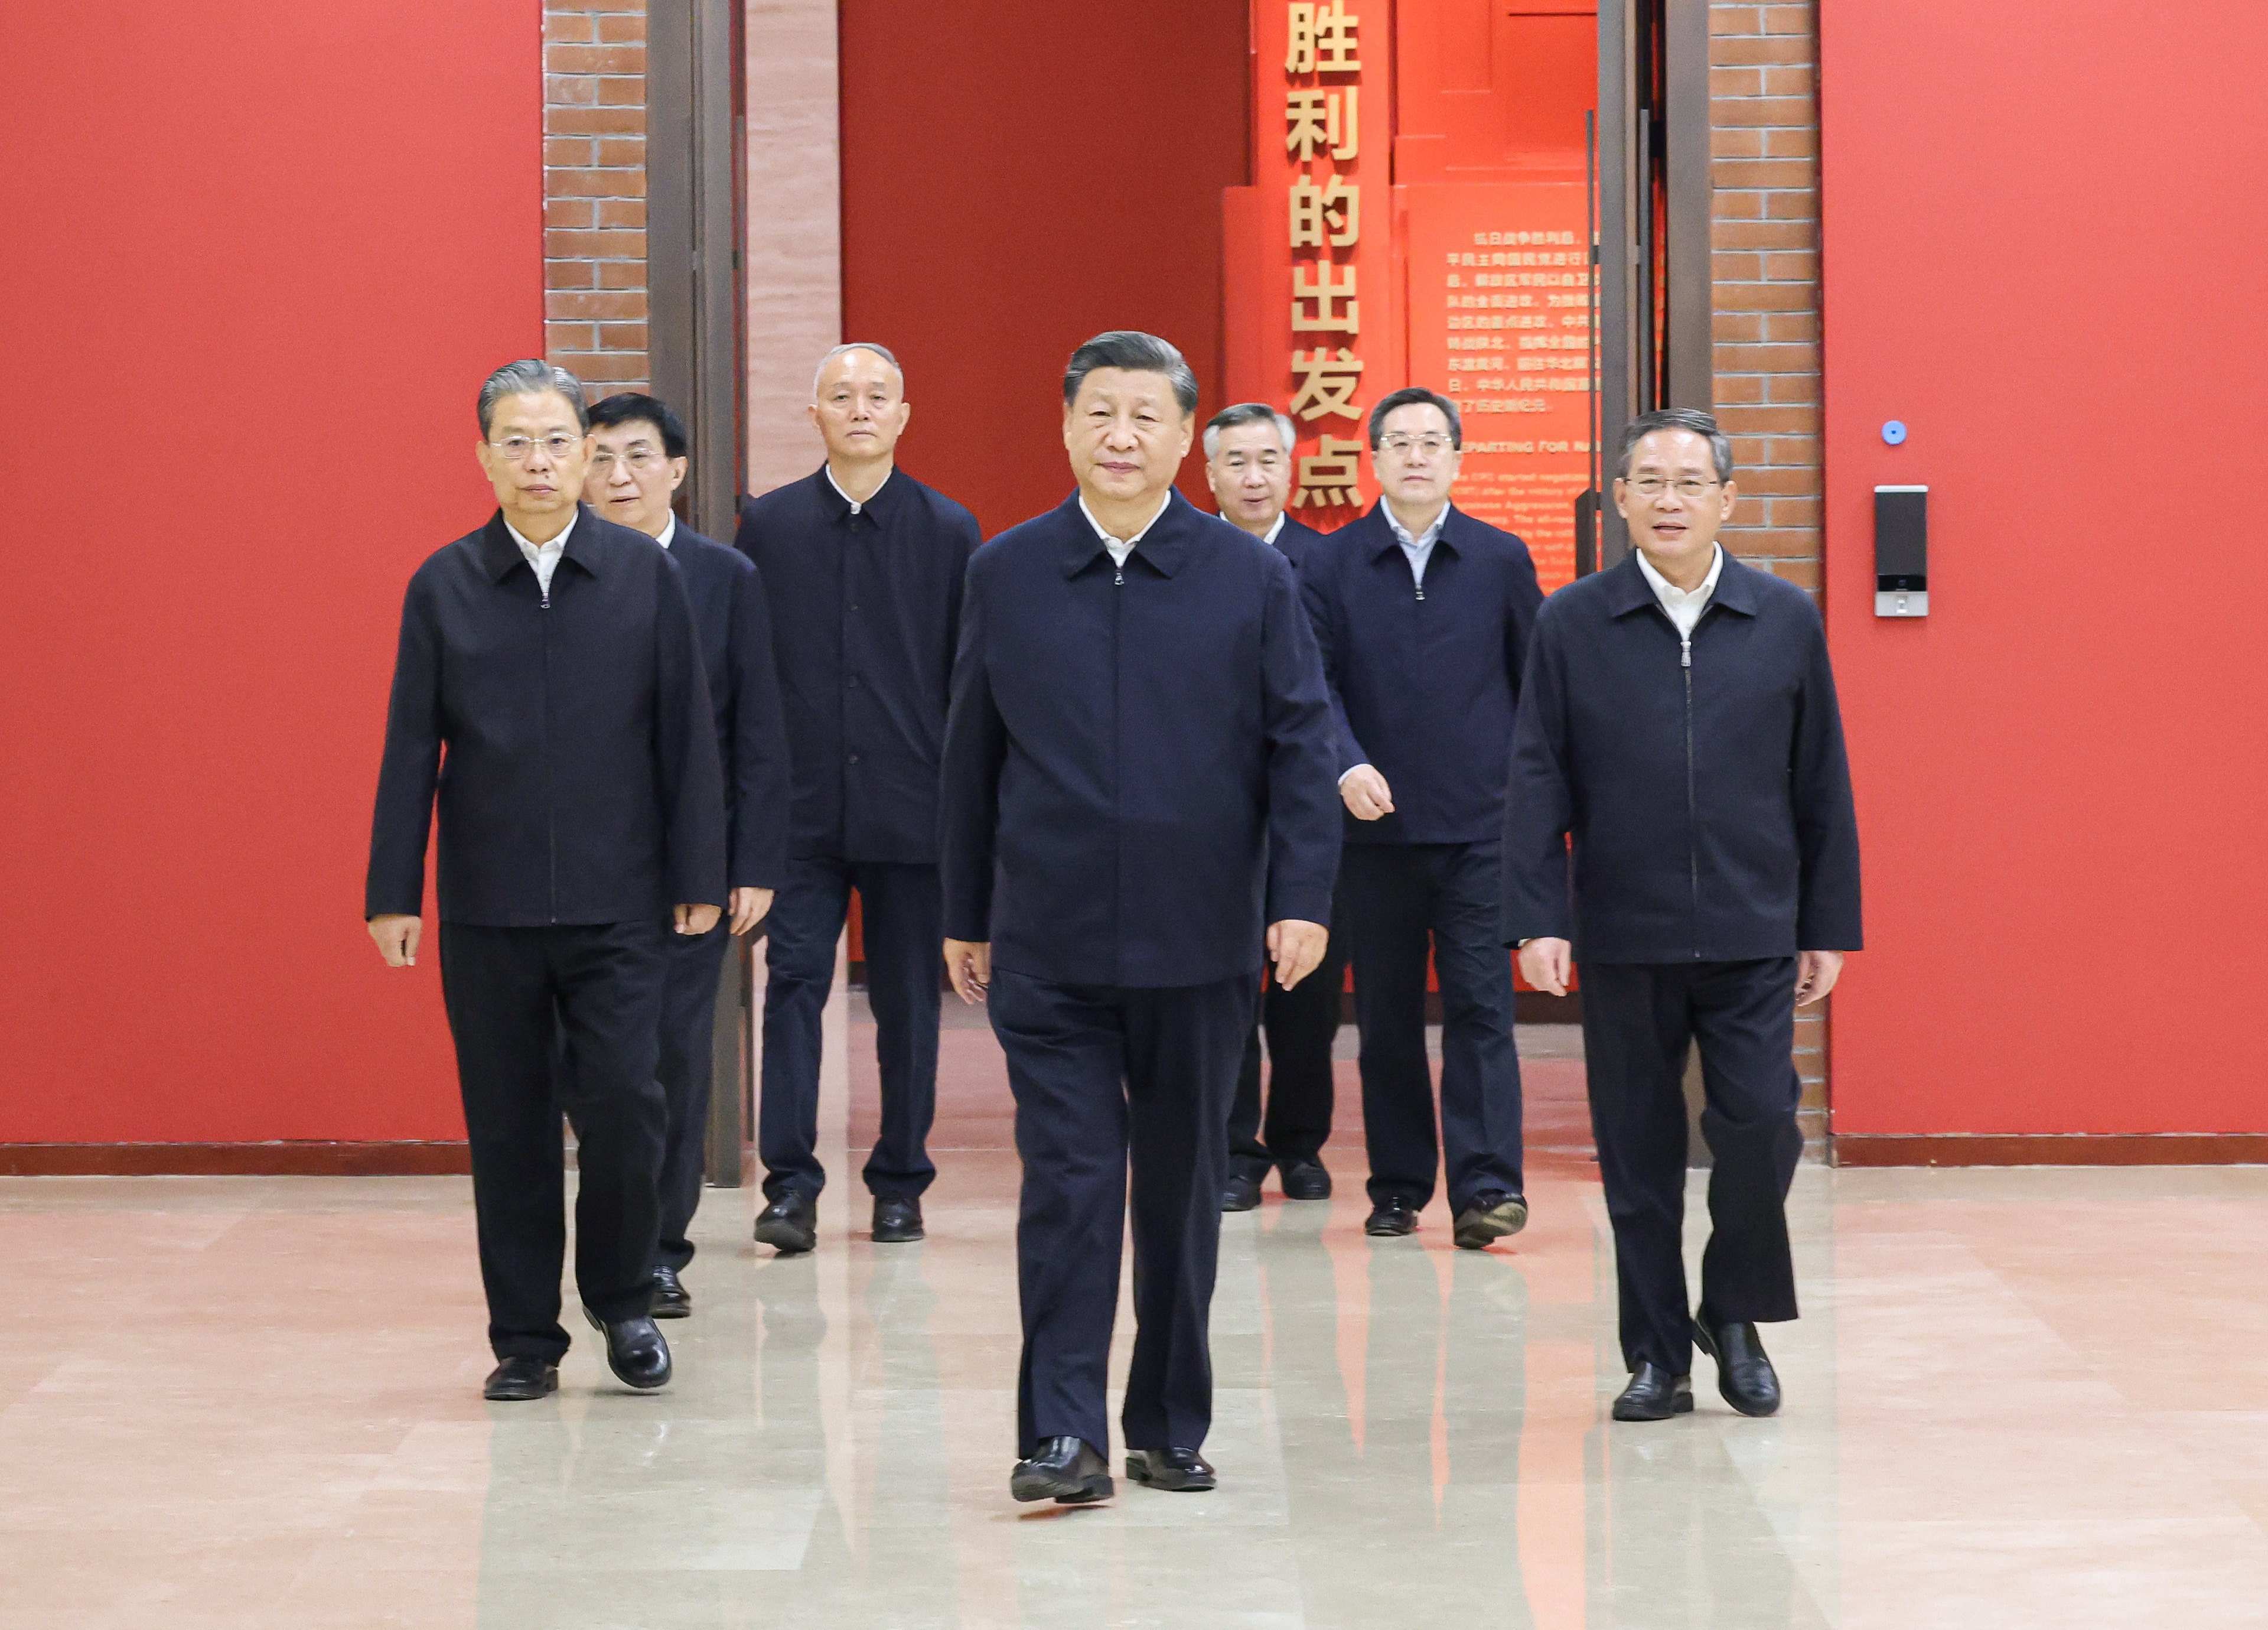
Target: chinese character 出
column 1331, row 289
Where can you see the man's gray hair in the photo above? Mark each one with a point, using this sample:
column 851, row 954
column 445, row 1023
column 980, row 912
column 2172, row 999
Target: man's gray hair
column 1137, row 352
column 1248, row 413
column 883, row 352
column 1702, row 424
column 528, row 377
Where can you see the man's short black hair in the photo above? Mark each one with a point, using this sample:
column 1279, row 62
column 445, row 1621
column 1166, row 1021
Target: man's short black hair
column 1138, row 352
column 629, row 407
column 1410, row 396
column 1701, row 424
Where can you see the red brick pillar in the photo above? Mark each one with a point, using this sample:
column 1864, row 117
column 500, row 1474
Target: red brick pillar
column 594, row 302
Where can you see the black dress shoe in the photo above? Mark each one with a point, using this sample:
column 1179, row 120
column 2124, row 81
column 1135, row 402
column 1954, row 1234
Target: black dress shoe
column 897, row 1222
column 1069, row 1471
column 1744, row 1374
column 1304, row 1179
column 1655, row 1394
column 788, row 1225
column 1391, row 1217
column 671, row 1299
column 1240, row 1192
column 634, row 1352
column 1492, row 1215
column 521, row 1379
column 1180, row 1470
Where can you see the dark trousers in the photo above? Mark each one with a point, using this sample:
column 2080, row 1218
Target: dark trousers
column 1393, row 897
column 1639, row 1019
column 1103, row 1075
column 904, row 913
column 1300, row 1025
column 688, row 1058
column 513, row 995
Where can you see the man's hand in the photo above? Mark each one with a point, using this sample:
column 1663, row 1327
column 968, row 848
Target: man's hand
column 1547, row 963
column 969, row 964
column 1296, row 949
column 1815, row 974
column 695, row 920
column 1367, row 794
column 397, row 939
column 749, row 906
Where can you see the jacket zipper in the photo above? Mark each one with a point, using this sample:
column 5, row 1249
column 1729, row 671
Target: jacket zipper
column 1693, row 802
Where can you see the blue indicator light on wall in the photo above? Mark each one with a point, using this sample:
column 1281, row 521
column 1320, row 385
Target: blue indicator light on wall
column 1893, row 432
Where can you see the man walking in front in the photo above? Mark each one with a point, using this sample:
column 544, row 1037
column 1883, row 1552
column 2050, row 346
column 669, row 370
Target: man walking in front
column 1680, row 723
column 863, row 565
column 638, row 463
column 1423, row 614
column 1248, row 452
column 552, row 656
column 1138, row 807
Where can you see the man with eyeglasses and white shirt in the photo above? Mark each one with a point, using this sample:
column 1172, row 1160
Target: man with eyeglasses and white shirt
column 552, row 656
column 1680, row 724
column 1423, row 614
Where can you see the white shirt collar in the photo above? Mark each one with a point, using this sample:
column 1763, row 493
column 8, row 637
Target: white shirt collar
column 856, row 503
column 1402, row 533
column 668, row 530
column 544, row 557
column 1121, row 548
column 1276, row 527
column 1684, row 608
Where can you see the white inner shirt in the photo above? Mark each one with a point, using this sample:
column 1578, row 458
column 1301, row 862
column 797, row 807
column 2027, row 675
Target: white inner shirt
column 856, row 505
column 544, row 556
column 1120, row 548
column 1420, row 550
column 1683, row 608
column 668, row 530
column 1276, row 527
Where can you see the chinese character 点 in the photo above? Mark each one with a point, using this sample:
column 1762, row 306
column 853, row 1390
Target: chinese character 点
column 1327, row 475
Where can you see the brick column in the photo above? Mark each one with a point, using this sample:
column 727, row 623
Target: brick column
column 1764, row 127
column 594, row 302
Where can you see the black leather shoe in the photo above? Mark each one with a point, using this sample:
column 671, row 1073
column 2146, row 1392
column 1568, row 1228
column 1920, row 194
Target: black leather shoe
column 1391, row 1217
column 1744, row 1374
column 788, row 1225
column 1305, row 1180
column 1492, row 1216
column 897, row 1222
column 1179, row 1470
column 519, row 1380
column 1069, row 1471
column 1655, row 1394
column 634, row 1352
column 671, row 1299
column 1240, row 1192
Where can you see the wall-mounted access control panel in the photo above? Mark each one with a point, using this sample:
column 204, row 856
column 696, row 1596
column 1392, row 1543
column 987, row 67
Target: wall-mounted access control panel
column 1902, row 551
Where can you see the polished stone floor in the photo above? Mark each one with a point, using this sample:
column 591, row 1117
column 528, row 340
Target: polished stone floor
column 2017, row 1399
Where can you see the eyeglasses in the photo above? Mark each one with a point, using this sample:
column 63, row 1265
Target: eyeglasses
column 516, row 449
column 1655, row 486
column 1400, row 445
column 639, row 459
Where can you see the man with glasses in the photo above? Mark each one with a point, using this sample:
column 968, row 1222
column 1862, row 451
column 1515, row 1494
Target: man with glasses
column 1423, row 614
column 1248, row 452
column 638, row 463
column 552, row 657
column 1680, row 724
column 863, row 565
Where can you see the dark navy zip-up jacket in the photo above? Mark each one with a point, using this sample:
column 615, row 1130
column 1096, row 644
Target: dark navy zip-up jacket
column 865, row 610
column 1425, row 680
column 734, row 622
column 569, row 739
column 1710, row 801
column 1138, row 769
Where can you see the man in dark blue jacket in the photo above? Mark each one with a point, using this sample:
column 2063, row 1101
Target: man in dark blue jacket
column 1679, row 721
column 863, row 565
column 637, row 461
column 1248, row 452
column 1423, row 614
column 1138, row 807
column 552, row 657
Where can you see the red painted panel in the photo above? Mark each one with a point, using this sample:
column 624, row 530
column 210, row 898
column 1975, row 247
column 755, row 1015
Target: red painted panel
column 260, row 257
column 2043, row 254
column 1017, row 176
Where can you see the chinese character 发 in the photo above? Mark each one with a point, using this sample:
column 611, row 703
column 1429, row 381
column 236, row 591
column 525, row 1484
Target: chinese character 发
column 1327, row 475
column 1323, row 39
column 1322, row 120
column 1327, row 383
column 1331, row 291
column 1331, row 213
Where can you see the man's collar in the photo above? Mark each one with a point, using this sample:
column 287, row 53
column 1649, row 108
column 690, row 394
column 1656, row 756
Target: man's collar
column 841, row 503
column 1659, row 583
column 1628, row 589
column 501, row 545
column 1161, row 542
column 1101, row 531
column 668, row 530
column 1402, row 535
column 1276, row 527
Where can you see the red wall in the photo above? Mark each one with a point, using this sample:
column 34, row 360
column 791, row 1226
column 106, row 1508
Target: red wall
column 261, row 255
column 1017, row 176
column 2043, row 244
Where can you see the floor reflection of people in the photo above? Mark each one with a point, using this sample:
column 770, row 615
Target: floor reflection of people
column 1678, row 1539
